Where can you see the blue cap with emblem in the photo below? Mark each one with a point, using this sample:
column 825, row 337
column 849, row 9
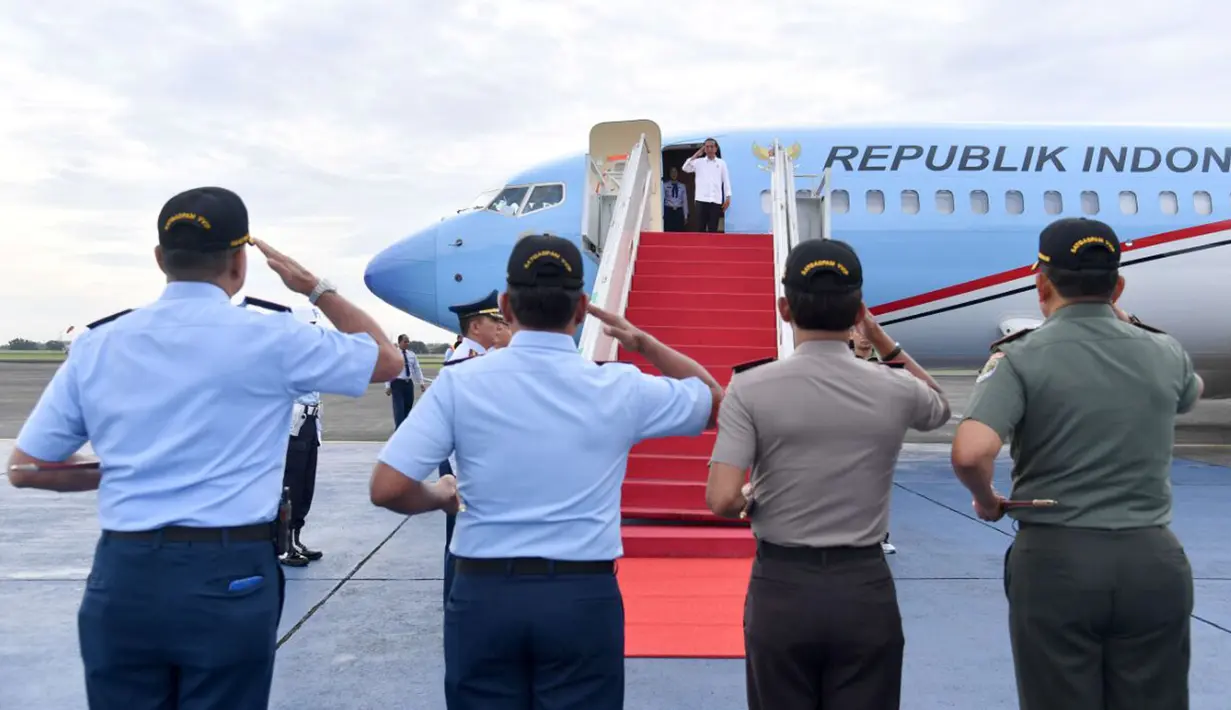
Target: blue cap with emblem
column 488, row 306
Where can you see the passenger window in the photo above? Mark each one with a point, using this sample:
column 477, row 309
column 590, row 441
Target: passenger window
column 944, row 201
column 1202, row 202
column 1168, row 202
column 1014, row 202
column 841, row 201
column 1089, row 202
column 1128, row 202
column 876, row 201
column 767, row 201
column 509, row 200
column 910, row 202
column 1052, row 202
column 978, row 201
column 544, row 196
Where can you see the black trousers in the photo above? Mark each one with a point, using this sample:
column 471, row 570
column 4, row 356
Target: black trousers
column 708, row 214
column 300, row 472
column 822, row 629
column 402, row 392
column 1099, row 619
column 673, row 219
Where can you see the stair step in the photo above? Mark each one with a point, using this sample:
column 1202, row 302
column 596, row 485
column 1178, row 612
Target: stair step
column 673, row 495
column 756, row 285
column 687, row 541
column 711, row 356
column 692, row 515
column 688, row 446
column 762, row 253
column 684, row 300
column 701, row 239
column 675, row 336
column 758, row 269
column 662, row 313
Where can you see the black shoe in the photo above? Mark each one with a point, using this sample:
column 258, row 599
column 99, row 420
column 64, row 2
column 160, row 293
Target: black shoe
column 294, row 559
column 303, row 550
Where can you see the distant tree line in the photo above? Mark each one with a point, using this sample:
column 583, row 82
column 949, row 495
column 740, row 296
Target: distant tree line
column 417, row 347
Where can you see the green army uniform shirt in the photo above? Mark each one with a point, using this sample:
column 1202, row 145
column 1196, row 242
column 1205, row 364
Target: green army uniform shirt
column 1088, row 403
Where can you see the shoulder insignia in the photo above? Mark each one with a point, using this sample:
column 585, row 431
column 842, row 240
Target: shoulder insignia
column 108, row 319
column 745, row 366
column 989, row 367
column 262, row 303
column 1010, row 338
column 459, row 360
column 1137, row 322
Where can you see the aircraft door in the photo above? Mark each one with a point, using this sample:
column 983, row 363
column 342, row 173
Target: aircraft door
column 610, row 144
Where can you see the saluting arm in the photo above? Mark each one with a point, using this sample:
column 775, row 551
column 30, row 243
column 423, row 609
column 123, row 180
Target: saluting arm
column 679, row 366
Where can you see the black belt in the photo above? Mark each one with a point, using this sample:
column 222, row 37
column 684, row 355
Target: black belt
column 260, row 532
column 818, row 555
column 530, row 565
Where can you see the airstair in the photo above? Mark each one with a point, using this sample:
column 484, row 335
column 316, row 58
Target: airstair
column 709, row 296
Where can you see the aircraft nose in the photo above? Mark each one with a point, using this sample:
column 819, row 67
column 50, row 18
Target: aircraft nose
column 404, row 275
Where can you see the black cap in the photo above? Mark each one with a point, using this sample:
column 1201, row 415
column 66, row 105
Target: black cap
column 487, row 306
column 203, row 219
column 823, row 266
column 1079, row 244
column 545, row 260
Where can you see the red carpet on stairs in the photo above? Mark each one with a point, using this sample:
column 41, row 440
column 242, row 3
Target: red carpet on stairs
column 684, row 608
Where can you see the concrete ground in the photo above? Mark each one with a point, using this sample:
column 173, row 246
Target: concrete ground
column 362, row 627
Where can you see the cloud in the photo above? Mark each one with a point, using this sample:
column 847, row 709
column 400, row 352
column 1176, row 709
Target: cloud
column 347, row 124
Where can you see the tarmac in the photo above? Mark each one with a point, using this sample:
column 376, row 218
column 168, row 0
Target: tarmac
column 362, row 628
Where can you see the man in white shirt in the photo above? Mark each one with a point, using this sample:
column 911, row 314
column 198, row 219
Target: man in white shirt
column 713, row 184
column 402, row 388
column 675, row 203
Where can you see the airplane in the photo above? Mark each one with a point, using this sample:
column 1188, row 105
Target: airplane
column 945, row 219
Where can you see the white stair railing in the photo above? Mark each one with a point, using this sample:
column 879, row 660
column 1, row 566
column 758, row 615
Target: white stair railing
column 619, row 251
column 785, row 227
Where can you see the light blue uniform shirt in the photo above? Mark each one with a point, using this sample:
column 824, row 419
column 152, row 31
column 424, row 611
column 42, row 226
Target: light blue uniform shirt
column 185, row 404
column 542, row 438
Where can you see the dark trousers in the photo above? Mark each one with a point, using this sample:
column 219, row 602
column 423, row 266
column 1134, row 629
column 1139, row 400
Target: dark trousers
column 300, row 472
column 708, row 215
column 160, row 630
column 1099, row 619
column 673, row 219
column 450, row 521
column 822, row 630
column 402, row 392
column 534, row 642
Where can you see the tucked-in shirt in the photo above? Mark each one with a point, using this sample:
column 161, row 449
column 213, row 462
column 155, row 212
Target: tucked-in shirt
column 542, row 435
column 713, row 182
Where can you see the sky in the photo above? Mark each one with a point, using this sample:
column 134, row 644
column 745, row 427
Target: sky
column 347, row 125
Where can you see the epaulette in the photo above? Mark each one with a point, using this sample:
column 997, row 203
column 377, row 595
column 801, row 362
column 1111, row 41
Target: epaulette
column 108, row 319
column 745, row 366
column 1009, row 338
column 447, row 363
column 262, row 303
column 1134, row 320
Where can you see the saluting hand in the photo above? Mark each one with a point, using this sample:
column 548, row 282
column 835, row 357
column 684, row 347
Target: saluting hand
column 446, row 491
column 629, row 335
column 295, row 276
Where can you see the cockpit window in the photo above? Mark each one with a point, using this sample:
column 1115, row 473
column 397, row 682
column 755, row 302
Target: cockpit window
column 509, row 200
column 512, row 200
column 544, row 196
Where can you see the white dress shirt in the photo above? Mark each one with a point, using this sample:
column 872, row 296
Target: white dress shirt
column 713, row 179
column 411, row 371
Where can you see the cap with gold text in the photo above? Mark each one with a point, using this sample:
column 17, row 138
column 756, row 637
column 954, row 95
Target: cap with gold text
column 204, row 219
column 1079, row 244
column 823, row 266
column 545, row 260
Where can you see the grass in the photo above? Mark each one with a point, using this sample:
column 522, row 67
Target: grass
column 30, row 355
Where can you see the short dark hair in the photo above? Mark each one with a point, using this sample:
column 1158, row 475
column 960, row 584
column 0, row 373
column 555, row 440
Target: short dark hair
column 543, row 307
column 834, row 312
column 403, row 336
column 1082, row 284
column 190, row 265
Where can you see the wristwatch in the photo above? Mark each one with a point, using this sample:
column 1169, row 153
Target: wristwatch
column 322, row 287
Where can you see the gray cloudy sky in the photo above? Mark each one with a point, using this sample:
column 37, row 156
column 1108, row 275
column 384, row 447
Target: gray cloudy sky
column 347, row 124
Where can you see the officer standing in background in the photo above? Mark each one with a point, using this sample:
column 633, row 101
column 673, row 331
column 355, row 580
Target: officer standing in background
column 822, row 431
column 184, row 402
column 535, row 616
column 1100, row 590
column 307, row 429
column 480, row 323
column 402, row 388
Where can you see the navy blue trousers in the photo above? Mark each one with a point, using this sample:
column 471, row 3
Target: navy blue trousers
column 523, row 642
column 402, row 392
column 450, row 521
column 160, row 628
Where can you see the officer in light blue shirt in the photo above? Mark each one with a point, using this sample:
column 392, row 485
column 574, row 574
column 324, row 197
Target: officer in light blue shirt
column 185, row 403
column 541, row 436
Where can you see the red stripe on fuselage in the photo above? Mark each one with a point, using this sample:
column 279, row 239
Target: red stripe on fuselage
column 1023, row 271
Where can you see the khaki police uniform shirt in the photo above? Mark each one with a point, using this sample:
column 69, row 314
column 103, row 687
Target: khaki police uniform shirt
column 822, row 430
column 1089, row 402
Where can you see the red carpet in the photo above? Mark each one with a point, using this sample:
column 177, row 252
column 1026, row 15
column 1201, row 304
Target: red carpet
column 684, row 608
